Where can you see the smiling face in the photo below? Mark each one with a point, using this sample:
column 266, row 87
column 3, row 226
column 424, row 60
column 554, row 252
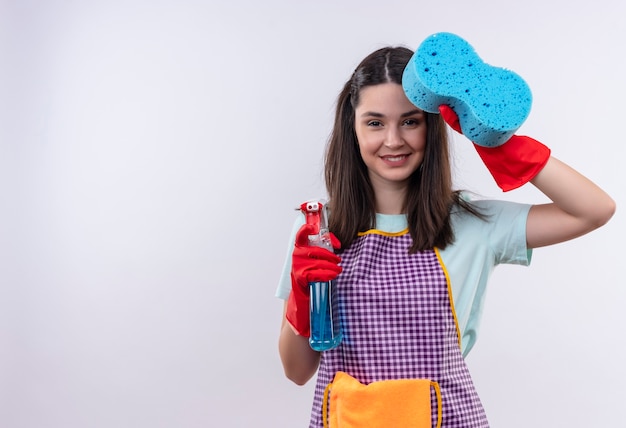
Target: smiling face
column 391, row 133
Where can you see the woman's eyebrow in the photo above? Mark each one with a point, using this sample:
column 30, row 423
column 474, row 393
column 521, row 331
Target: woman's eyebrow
column 408, row 113
column 412, row 112
column 372, row 114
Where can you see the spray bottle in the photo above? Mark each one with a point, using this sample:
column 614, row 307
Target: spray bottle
column 325, row 328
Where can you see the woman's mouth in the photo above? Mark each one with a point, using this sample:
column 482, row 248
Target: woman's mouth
column 394, row 160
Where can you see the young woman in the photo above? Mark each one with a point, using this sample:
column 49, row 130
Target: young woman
column 413, row 255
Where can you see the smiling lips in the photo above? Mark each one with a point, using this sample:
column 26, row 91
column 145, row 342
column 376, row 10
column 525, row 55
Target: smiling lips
column 395, row 160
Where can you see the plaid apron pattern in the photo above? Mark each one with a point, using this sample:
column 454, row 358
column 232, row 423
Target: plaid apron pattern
column 398, row 323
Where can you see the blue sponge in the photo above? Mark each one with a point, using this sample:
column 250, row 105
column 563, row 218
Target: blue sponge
column 491, row 102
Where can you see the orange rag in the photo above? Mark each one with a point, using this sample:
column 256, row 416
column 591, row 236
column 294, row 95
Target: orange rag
column 387, row 403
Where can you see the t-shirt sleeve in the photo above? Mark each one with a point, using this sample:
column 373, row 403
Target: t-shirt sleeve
column 284, row 282
column 507, row 232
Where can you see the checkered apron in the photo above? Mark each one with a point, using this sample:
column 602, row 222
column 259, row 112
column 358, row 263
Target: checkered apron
column 398, row 323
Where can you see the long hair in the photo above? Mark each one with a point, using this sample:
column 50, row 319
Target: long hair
column 351, row 196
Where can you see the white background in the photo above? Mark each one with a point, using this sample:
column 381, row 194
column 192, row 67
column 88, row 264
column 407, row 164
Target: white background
column 151, row 157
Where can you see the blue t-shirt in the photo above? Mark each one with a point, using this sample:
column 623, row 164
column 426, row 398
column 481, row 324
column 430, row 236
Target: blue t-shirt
column 479, row 246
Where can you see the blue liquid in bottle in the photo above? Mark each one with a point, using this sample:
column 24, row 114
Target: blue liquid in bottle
column 325, row 328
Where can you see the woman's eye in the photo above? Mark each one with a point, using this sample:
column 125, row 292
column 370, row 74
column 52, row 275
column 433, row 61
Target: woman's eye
column 411, row 122
column 374, row 123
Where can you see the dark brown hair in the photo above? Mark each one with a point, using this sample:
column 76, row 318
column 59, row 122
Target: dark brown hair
column 351, row 196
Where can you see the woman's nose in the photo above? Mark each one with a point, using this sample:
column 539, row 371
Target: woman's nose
column 393, row 139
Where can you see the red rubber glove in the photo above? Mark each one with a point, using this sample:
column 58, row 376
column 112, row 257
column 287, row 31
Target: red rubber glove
column 511, row 164
column 308, row 264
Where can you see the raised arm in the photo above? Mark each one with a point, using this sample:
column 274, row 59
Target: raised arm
column 489, row 121
column 578, row 206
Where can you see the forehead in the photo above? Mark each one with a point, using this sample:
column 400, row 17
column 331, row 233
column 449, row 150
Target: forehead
column 383, row 98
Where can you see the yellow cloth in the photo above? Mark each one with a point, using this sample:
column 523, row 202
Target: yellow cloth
column 389, row 403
